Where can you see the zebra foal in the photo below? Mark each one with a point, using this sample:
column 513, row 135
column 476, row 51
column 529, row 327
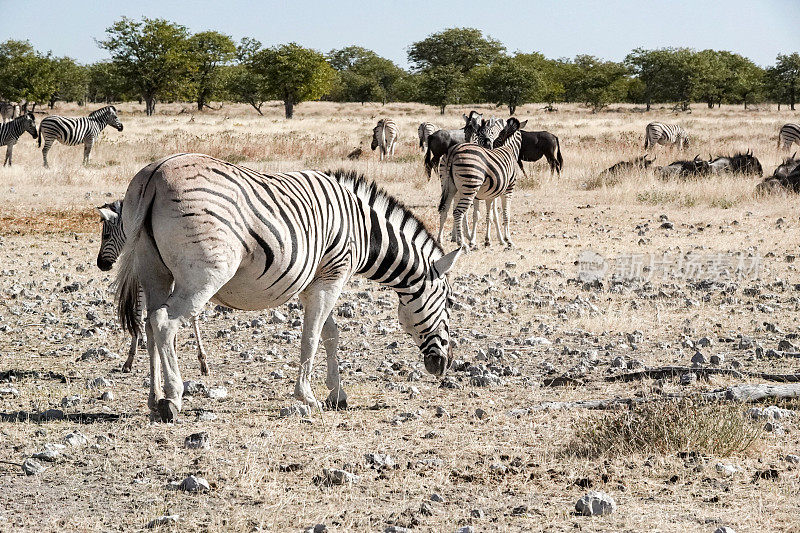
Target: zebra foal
column 10, row 132
column 74, row 131
column 201, row 229
column 665, row 134
column 112, row 240
column 385, row 135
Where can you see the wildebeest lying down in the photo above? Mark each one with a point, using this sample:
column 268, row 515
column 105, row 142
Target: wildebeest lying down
column 536, row 144
column 440, row 141
column 737, row 164
column 785, row 178
column 683, row 169
column 199, row 229
column 626, row 166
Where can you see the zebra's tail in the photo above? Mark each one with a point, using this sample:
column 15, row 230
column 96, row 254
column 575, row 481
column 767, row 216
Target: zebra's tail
column 39, row 136
column 558, row 156
column 127, row 282
column 428, row 161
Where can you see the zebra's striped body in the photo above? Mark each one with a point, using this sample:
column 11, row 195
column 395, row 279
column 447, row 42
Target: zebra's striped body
column 9, row 111
column 788, row 134
column 385, row 135
column 112, row 240
column 424, row 131
column 476, row 173
column 666, row 134
column 74, row 131
column 201, row 229
column 10, row 132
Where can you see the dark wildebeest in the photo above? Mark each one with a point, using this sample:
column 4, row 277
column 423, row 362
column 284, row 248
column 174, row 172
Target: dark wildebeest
column 785, row 178
column 536, row 144
column 683, row 169
column 738, row 164
column 441, row 141
column 626, row 166
column 786, row 168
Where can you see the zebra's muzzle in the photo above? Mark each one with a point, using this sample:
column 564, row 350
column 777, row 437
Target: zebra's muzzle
column 104, row 264
column 436, row 364
column 119, row 127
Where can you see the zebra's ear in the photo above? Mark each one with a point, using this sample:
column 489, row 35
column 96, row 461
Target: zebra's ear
column 107, row 214
column 523, row 124
column 444, row 264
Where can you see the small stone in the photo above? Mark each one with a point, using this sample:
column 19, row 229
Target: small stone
column 190, row 388
column 196, row 441
column 792, row 458
column 704, row 342
column 50, row 453
column 217, row 393
column 786, row 346
column 107, row 396
column 699, row 359
column 70, row 401
column 9, row 391
column 31, row 467
column 726, row 469
column 163, row 521
column 595, row 503
column 194, row 484
column 480, row 414
column 724, row 529
column 336, row 476
column 76, row 439
column 465, row 529
column 717, row 359
column 436, row 498
column 319, row 528
column 477, row 513
column 98, row 383
column 299, row 409
column 396, row 529
column 277, row 374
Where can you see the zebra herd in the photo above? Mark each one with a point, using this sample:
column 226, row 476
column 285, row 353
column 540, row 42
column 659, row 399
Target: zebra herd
column 68, row 131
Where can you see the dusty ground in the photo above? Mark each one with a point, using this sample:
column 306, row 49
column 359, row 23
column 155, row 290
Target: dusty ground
column 513, row 464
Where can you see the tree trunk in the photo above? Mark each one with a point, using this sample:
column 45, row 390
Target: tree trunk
column 33, row 108
column 288, row 106
column 710, row 104
column 511, row 109
column 201, row 103
column 791, row 94
column 150, row 105
column 441, row 109
column 257, row 107
column 648, row 104
column 52, row 102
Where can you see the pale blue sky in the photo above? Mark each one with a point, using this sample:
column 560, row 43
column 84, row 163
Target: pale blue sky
column 608, row 29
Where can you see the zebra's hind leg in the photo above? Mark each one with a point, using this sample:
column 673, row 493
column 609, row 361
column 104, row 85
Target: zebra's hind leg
column 318, row 300
column 201, row 352
column 463, row 201
column 496, row 221
column 490, row 214
column 506, row 230
column 135, row 340
column 9, row 149
column 48, row 143
column 87, row 149
column 337, row 398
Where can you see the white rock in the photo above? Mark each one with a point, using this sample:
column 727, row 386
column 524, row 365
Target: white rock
column 794, row 459
column 595, row 503
column 217, row 393
column 726, row 469
column 196, row 440
column 335, row 476
column 76, row 439
column 31, row 467
column 724, row 529
column 191, row 484
column 163, row 521
column 98, row 383
column 50, row 453
column 9, row 391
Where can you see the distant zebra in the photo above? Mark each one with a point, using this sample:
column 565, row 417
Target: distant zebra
column 10, row 132
column 788, row 134
column 201, row 229
column 74, row 131
column 476, row 173
column 424, row 131
column 112, row 240
column 385, row 135
column 660, row 133
column 9, row 111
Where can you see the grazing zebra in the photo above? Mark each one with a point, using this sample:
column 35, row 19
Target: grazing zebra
column 8, row 111
column 111, row 242
column 199, row 228
column 474, row 172
column 10, row 132
column 660, row 133
column 385, row 135
column 73, row 131
column 788, row 134
column 424, row 131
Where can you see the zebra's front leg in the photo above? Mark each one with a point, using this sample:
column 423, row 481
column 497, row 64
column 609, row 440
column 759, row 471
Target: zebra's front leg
column 496, row 221
column 472, row 236
column 9, row 150
column 337, row 398
column 48, row 143
column 489, row 215
column 444, row 208
column 463, row 203
column 87, row 149
column 318, row 300
column 201, row 352
column 506, row 230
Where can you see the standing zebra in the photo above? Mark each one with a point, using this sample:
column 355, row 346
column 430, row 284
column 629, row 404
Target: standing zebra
column 788, row 134
column 659, row 133
column 476, row 173
column 385, row 135
column 74, row 131
column 199, row 228
column 10, row 132
column 112, row 240
column 9, row 111
column 424, row 131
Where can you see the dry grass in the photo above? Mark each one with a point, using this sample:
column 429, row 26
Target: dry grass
column 120, row 487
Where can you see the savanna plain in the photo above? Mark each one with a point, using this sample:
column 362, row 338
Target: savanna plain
column 503, row 443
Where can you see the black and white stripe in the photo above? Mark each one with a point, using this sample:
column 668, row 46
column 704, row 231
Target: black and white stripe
column 660, row 133
column 476, row 173
column 74, row 131
column 788, row 134
column 424, row 131
column 385, row 135
column 201, row 229
column 10, row 132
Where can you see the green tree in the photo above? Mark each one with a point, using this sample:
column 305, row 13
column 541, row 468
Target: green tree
column 711, row 77
column 665, row 74
column 210, row 52
column 364, row 75
column 25, row 74
column 152, row 54
column 747, row 80
column 106, row 84
column 463, row 48
column 72, row 81
column 441, row 86
column 785, row 78
column 508, row 81
column 597, row 83
column 242, row 83
column 550, row 74
column 293, row 74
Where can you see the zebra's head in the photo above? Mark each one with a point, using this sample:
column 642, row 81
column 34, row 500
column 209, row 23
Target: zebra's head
column 489, row 131
column 113, row 236
column 472, row 125
column 30, row 124
column 425, row 315
column 511, row 129
column 108, row 114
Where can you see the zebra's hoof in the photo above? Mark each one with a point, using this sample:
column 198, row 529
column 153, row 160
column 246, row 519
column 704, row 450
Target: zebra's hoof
column 487, row 243
column 203, row 368
column 336, row 405
column 126, row 368
column 167, row 410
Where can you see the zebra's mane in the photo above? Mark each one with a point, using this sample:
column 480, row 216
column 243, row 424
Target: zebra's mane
column 99, row 112
column 393, row 209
